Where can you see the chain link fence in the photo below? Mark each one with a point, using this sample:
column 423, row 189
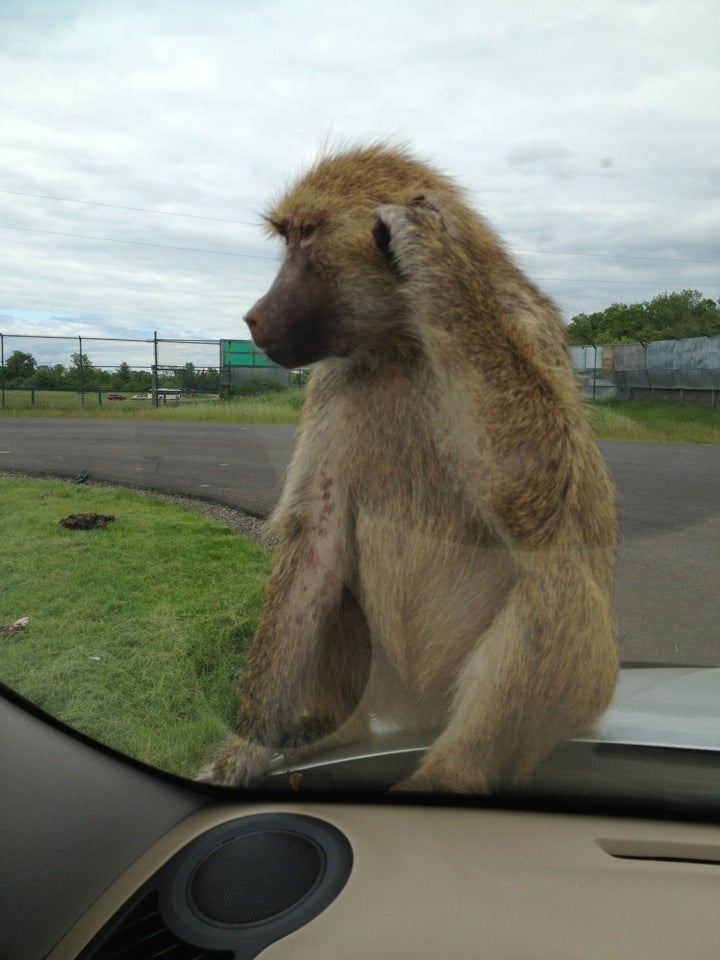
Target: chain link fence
column 158, row 369
column 685, row 371
column 49, row 369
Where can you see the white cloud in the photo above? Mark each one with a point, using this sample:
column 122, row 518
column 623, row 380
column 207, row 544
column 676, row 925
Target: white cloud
column 578, row 128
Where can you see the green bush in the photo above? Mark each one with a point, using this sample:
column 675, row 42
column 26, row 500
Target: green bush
column 255, row 387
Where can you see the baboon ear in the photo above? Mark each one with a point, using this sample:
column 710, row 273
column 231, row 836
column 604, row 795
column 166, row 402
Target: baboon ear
column 381, row 236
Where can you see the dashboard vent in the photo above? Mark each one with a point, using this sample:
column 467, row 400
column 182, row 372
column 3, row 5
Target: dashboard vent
column 230, row 892
column 140, row 934
column 665, row 851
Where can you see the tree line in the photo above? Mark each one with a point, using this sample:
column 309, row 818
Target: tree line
column 669, row 316
column 22, row 370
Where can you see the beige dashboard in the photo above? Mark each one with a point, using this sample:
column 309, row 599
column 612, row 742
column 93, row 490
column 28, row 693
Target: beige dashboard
column 442, row 882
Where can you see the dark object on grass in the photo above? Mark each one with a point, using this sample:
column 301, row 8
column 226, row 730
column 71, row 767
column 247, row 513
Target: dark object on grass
column 10, row 629
column 86, row 521
column 81, row 477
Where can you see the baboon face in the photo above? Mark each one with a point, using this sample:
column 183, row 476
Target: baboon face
column 319, row 307
column 295, row 322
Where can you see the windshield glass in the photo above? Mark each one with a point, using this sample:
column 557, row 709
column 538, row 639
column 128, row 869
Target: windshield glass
column 436, row 291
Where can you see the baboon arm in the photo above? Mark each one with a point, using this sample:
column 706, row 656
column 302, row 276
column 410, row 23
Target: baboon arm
column 489, row 370
column 303, row 598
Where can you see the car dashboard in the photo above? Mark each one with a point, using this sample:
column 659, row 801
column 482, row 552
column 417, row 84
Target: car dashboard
column 103, row 857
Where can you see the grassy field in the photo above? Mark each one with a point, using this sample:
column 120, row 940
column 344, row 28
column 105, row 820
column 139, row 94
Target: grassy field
column 283, row 407
column 644, row 420
column 612, row 419
column 136, row 630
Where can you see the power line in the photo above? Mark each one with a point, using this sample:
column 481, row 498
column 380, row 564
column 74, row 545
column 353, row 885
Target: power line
column 140, row 243
column 254, row 256
column 250, row 223
column 610, row 256
column 642, row 283
column 118, row 206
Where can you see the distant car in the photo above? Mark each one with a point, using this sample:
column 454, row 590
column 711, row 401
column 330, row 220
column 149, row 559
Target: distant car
column 115, row 396
column 140, row 396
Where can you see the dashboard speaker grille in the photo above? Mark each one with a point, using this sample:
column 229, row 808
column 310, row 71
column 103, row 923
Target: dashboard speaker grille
column 254, row 877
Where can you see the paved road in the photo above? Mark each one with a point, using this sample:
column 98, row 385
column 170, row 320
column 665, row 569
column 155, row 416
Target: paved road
column 238, row 465
column 668, row 592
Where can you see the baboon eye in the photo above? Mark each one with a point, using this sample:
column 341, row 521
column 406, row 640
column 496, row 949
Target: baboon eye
column 280, row 228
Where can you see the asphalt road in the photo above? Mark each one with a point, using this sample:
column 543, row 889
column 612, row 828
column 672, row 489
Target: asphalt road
column 668, row 583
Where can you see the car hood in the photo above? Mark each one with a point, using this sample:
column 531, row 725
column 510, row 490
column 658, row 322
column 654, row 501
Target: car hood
column 663, row 707
column 660, row 737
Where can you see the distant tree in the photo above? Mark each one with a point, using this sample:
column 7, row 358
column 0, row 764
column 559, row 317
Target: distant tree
column 81, row 373
column 139, row 382
column 668, row 315
column 49, row 378
column 208, row 381
column 19, row 368
column 186, row 377
column 684, row 314
column 256, row 386
column 122, row 376
column 104, row 379
column 624, row 320
column 583, row 329
column 167, row 378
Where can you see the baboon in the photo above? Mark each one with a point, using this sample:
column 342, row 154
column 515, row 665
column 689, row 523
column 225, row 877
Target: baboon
column 447, row 530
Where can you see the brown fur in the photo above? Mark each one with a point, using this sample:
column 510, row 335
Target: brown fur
column 447, row 529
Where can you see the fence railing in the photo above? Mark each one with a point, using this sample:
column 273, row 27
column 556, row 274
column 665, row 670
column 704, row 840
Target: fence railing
column 687, row 371
column 683, row 370
column 81, row 364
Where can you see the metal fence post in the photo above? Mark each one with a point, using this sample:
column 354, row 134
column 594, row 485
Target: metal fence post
column 594, row 371
column 155, row 369
column 82, row 376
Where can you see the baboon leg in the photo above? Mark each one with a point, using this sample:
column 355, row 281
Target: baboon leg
column 543, row 672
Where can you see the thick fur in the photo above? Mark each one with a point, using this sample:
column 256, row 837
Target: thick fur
column 447, row 531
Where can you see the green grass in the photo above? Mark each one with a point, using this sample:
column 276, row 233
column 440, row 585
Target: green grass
column 612, row 419
column 281, row 407
column 656, row 421
column 137, row 632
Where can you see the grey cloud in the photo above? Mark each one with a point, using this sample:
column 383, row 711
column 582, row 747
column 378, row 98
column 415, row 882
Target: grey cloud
column 211, row 109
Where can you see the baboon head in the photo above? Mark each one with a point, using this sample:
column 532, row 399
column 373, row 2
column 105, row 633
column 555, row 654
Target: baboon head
column 336, row 293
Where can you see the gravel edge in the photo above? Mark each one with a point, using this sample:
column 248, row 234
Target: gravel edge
column 242, row 523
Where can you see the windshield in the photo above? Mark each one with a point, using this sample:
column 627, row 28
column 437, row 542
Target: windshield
column 360, row 389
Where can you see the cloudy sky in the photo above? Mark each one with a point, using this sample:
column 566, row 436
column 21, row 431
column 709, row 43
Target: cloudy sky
column 141, row 140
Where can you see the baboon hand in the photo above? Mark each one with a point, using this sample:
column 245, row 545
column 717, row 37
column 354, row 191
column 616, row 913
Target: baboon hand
column 238, row 763
column 406, row 234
